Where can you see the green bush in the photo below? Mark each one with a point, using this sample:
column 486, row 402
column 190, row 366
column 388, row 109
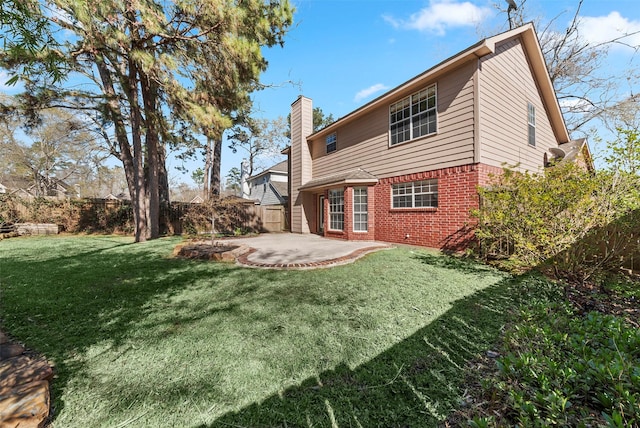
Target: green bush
column 568, row 370
column 575, row 220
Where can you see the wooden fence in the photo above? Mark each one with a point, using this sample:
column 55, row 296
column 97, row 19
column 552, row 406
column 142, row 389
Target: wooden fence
column 273, row 217
column 103, row 215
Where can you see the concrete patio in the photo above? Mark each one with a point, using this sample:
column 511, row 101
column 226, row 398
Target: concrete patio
column 298, row 251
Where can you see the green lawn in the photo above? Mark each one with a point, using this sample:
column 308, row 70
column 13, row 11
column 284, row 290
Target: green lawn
column 141, row 339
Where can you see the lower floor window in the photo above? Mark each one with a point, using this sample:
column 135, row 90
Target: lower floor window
column 336, row 209
column 417, row 194
column 360, row 209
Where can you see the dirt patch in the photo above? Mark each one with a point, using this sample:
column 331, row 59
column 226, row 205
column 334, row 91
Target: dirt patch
column 588, row 297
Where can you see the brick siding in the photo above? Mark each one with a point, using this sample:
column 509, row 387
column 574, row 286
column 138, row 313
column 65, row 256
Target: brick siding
column 449, row 226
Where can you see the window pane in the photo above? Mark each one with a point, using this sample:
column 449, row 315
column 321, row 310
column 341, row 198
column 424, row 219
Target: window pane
column 413, row 116
column 532, row 135
column 336, row 209
column 424, row 113
column 402, row 202
column 426, row 200
column 432, row 127
column 531, row 118
column 360, row 209
column 418, row 194
column 331, row 143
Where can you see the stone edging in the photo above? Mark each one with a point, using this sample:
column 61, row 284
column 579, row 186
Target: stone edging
column 24, row 386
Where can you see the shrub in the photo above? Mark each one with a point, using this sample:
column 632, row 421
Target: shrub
column 71, row 215
column 230, row 217
column 575, row 220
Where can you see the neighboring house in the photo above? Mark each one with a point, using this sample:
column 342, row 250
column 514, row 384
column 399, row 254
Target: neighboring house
column 26, row 188
column 119, row 197
column 271, row 186
column 406, row 166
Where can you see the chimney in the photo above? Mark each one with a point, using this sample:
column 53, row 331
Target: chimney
column 301, row 165
column 244, row 175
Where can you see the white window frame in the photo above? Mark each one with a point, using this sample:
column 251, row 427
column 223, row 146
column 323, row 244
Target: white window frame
column 416, row 115
column 360, row 209
column 331, row 142
column 531, row 124
column 336, row 209
column 415, row 194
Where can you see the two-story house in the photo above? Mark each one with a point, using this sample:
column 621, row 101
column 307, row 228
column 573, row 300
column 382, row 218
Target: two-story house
column 405, row 167
column 270, row 187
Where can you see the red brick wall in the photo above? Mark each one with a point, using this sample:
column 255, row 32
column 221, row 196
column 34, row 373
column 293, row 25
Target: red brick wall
column 448, row 225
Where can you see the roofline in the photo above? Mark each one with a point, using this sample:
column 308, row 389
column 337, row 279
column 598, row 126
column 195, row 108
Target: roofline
column 476, row 51
column 276, row 191
column 267, row 171
column 271, row 169
column 344, row 181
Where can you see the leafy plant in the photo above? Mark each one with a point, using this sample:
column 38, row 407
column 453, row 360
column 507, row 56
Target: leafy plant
column 581, row 223
column 568, row 370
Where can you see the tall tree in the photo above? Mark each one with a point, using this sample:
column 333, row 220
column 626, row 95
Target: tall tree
column 158, row 70
column 232, row 183
column 259, row 138
column 58, row 148
column 27, row 30
column 319, row 121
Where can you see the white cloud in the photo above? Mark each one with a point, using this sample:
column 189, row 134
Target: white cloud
column 599, row 29
column 8, row 89
column 378, row 87
column 575, row 105
column 441, row 15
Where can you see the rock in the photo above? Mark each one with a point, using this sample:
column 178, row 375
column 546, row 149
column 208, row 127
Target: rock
column 25, row 406
column 10, row 350
column 3, row 338
column 23, row 370
column 493, row 354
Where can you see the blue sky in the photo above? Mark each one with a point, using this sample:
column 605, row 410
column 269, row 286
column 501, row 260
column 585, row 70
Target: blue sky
column 344, row 53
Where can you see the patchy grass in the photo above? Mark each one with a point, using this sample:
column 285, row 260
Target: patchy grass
column 142, row 339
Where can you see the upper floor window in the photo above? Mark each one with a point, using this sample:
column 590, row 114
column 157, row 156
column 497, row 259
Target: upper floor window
column 413, row 116
column 531, row 119
column 417, row 194
column 332, row 143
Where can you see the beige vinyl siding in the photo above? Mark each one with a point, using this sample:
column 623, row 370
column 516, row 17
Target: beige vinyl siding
column 506, row 85
column 364, row 142
column 301, row 163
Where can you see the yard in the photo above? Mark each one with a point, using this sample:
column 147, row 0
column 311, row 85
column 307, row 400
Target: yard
column 139, row 338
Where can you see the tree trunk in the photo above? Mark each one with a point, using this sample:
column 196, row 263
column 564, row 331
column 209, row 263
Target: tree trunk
column 140, row 196
column 125, row 154
column 207, row 168
column 216, row 165
column 163, row 177
column 148, row 91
